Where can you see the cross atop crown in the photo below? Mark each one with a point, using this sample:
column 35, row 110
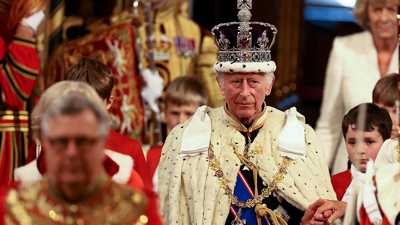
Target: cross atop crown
column 240, row 42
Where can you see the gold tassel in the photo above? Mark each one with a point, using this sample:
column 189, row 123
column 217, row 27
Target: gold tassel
column 259, row 209
column 263, row 211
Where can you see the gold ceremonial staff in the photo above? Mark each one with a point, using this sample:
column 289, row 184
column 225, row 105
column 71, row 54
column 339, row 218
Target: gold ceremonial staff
column 155, row 117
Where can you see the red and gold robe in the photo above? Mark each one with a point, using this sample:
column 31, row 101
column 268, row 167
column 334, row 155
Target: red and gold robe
column 18, row 72
column 105, row 202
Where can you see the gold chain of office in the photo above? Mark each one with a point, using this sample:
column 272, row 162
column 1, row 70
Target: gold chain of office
column 223, row 182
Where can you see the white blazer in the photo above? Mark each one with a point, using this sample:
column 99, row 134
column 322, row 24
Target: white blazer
column 351, row 76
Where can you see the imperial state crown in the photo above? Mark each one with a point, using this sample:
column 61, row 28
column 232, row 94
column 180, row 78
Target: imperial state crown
column 244, row 46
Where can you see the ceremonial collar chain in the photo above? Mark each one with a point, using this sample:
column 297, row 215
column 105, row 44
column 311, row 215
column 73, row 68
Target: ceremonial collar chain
column 265, row 192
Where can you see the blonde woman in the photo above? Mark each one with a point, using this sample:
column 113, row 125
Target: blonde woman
column 355, row 64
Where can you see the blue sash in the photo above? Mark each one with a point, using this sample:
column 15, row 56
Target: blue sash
column 244, row 192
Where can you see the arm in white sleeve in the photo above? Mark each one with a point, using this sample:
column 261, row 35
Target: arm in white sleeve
column 329, row 123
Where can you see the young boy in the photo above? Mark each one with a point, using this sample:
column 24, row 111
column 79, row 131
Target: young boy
column 378, row 126
column 385, row 95
column 182, row 97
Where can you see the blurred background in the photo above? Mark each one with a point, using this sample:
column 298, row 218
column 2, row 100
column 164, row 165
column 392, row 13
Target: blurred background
column 306, row 30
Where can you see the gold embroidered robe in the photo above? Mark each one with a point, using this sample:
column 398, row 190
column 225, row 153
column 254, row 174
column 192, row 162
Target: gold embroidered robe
column 106, row 203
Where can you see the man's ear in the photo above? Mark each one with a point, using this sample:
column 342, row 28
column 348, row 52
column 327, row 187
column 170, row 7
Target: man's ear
column 221, row 88
column 269, row 88
column 110, row 102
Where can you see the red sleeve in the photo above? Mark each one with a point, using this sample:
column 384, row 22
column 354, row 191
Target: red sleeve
column 19, row 70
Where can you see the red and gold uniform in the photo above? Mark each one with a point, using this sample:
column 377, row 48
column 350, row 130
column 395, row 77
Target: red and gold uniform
column 18, row 72
column 341, row 182
column 105, row 202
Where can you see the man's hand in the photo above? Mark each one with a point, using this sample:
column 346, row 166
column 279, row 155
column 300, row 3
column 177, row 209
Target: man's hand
column 330, row 210
column 308, row 218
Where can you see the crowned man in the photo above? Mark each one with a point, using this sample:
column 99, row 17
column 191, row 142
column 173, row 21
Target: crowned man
column 246, row 162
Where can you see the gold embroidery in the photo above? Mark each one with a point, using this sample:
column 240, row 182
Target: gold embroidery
column 257, row 150
column 35, row 205
column 16, row 208
column 8, row 220
column 398, row 152
column 265, row 193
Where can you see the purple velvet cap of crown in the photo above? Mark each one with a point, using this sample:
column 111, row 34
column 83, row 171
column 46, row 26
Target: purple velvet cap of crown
column 231, row 32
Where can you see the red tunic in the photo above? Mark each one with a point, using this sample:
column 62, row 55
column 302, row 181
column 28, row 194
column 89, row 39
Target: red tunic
column 341, row 182
column 18, row 72
column 153, row 159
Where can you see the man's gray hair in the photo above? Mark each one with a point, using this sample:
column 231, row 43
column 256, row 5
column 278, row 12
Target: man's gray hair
column 72, row 104
column 269, row 77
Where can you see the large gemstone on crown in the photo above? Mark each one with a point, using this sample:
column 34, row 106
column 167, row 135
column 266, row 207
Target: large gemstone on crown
column 244, row 15
column 232, row 58
column 244, row 42
column 256, row 57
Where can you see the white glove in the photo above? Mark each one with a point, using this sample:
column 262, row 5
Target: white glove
column 34, row 20
column 153, row 89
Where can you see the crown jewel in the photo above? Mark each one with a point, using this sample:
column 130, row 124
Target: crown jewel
column 239, row 42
